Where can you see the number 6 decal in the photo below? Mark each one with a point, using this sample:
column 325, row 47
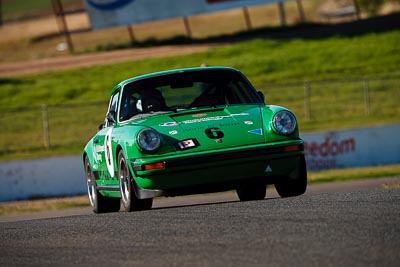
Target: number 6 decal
column 108, row 151
column 214, row 133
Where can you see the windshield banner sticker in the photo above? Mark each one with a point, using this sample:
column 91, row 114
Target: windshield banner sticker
column 216, row 118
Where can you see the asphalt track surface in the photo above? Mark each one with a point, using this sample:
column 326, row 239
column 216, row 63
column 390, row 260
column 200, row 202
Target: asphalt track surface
column 336, row 224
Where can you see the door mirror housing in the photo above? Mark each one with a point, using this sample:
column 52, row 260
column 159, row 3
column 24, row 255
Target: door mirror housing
column 110, row 118
column 101, row 126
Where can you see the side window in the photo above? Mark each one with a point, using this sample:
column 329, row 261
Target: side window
column 113, row 103
column 112, row 109
column 129, row 106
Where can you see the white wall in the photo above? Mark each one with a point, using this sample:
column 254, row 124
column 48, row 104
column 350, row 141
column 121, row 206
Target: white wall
column 64, row 176
column 58, row 176
column 353, row 148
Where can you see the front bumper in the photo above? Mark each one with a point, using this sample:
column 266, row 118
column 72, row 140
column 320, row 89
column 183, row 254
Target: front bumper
column 216, row 170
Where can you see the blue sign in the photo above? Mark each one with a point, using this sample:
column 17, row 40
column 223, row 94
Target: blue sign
column 106, row 5
column 112, row 13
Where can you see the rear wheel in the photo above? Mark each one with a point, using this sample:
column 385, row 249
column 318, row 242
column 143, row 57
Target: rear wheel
column 297, row 186
column 128, row 196
column 98, row 202
column 251, row 192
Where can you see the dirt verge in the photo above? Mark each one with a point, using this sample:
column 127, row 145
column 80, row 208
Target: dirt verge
column 100, row 58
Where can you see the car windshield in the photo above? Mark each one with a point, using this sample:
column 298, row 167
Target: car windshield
column 186, row 90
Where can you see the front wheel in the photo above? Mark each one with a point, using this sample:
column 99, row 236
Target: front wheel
column 98, row 202
column 128, row 196
column 251, row 192
column 296, row 186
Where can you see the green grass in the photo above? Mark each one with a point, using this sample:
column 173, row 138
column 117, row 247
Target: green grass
column 262, row 61
column 353, row 174
column 278, row 68
column 43, row 204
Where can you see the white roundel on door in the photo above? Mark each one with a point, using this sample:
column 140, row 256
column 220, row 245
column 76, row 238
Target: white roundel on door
column 108, row 151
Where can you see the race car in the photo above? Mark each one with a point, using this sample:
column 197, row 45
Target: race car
column 191, row 131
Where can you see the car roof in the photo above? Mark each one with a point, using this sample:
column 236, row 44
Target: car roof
column 168, row 72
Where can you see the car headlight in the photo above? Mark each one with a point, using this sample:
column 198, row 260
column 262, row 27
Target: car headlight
column 284, row 122
column 148, row 140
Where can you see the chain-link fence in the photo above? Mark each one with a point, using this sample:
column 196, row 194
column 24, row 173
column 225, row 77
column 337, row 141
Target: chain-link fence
column 49, row 127
column 335, row 99
column 320, row 102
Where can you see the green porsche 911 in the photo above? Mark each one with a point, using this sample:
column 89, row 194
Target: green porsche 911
column 190, row 131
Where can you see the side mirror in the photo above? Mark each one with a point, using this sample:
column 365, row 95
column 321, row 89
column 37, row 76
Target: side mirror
column 110, row 118
column 101, row 126
column 261, row 95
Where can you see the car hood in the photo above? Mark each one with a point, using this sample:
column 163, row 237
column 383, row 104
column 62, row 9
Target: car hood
column 209, row 128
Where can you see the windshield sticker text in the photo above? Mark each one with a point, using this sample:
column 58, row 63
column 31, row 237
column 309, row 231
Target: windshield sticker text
column 216, row 118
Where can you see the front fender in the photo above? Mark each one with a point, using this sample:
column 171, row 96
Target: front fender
column 88, row 152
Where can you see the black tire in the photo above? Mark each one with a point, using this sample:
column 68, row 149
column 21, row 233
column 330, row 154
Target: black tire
column 251, row 192
column 291, row 187
column 128, row 197
column 98, row 202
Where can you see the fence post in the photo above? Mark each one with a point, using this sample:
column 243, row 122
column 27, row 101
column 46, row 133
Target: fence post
column 60, row 16
column 307, row 101
column 187, row 27
column 131, row 34
column 46, row 134
column 282, row 13
column 247, row 18
column 1, row 14
column 301, row 11
column 366, row 97
column 357, row 8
